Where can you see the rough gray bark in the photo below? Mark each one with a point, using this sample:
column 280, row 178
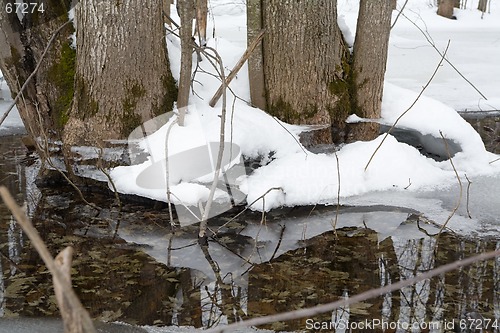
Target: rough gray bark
column 122, row 75
column 369, row 64
column 21, row 47
column 482, row 5
column 186, row 13
column 255, row 65
column 303, row 54
column 445, row 8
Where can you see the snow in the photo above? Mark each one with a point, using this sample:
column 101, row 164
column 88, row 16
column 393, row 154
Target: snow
column 299, row 177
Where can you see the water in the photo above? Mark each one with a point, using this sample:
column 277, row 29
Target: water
column 130, row 267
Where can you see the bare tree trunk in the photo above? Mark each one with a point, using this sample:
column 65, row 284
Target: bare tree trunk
column 255, row 65
column 186, row 12
column 304, row 55
column 445, row 8
column 47, row 97
column 369, row 64
column 122, row 77
column 482, row 6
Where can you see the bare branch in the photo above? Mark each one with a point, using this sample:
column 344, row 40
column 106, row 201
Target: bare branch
column 443, row 56
column 459, row 184
column 411, row 106
column 313, row 311
column 237, row 67
column 76, row 318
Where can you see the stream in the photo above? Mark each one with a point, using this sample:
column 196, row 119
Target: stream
column 135, row 274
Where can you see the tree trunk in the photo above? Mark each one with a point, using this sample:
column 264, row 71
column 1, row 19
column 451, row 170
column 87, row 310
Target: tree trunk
column 255, row 65
column 122, row 76
column 304, row 61
column 482, row 5
column 445, row 8
column 369, row 63
column 186, row 13
column 48, row 95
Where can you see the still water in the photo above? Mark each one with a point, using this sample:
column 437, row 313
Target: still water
column 130, row 266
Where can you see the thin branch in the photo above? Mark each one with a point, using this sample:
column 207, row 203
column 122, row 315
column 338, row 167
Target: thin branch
column 167, row 174
column 399, row 14
column 51, row 40
column 457, row 205
column 324, row 308
column 204, row 220
column 442, row 55
column 411, row 106
column 338, row 196
column 76, row 318
column 248, row 207
column 468, row 195
column 237, row 67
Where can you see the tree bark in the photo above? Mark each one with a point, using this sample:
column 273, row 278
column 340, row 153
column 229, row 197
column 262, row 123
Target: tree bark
column 122, row 75
column 445, row 8
column 369, row 64
column 255, row 61
column 186, row 13
column 482, row 5
column 48, row 95
column 304, row 55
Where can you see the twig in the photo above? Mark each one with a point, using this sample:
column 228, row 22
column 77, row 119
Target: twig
column 248, row 207
column 293, row 136
column 459, row 184
column 328, row 307
column 76, row 318
column 34, row 72
column 338, row 196
column 167, row 175
column 204, row 220
column 442, row 55
column 399, row 14
column 237, row 67
column 411, row 106
column 468, row 195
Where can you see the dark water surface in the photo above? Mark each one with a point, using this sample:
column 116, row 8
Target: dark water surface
column 130, row 267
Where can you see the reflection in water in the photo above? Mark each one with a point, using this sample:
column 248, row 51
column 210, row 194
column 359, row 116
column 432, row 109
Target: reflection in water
column 145, row 274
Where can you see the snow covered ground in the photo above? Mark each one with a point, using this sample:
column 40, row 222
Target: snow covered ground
column 397, row 169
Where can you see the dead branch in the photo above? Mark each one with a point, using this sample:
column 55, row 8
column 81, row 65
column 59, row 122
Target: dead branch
column 324, row 308
column 248, row 206
column 399, row 14
column 76, row 318
column 51, row 40
column 457, row 205
column 237, row 67
column 411, row 106
column 442, row 55
column 204, row 219
column 469, row 183
column 338, row 196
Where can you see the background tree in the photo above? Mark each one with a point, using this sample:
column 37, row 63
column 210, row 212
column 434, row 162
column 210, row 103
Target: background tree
column 369, row 63
column 445, row 8
column 305, row 69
